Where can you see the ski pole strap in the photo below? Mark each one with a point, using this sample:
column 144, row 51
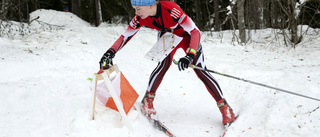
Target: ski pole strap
column 252, row 82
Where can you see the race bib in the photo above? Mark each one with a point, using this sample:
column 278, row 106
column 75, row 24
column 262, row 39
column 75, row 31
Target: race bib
column 163, row 47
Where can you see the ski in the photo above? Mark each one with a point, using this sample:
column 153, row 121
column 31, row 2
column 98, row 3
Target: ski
column 227, row 126
column 158, row 124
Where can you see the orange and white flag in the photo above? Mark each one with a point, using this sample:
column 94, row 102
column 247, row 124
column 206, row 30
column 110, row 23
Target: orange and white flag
column 125, row 92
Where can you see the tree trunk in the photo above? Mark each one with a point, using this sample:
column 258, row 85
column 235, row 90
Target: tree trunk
column 258, row 15
column 289, row 10
column 98, row 13
column 198, row 16
column 4, row 10
column 75, row 8
column 266, row 14
column 241, row 23
column 293, row 22
column 216, row 16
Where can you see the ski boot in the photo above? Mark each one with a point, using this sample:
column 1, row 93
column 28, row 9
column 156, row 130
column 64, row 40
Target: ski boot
column 147, row 104
column 227, row 114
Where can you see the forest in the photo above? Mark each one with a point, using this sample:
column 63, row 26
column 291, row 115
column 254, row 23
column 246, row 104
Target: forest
column 209, row 15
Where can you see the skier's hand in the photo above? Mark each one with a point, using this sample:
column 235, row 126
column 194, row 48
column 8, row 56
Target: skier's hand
column 185, row 61
column 107, row 58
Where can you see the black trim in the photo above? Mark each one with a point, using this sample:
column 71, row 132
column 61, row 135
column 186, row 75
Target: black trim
column 160, row 24
column 166, row 64
column 158, row 10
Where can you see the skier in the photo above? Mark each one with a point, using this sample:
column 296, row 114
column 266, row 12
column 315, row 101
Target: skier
column 167, row 16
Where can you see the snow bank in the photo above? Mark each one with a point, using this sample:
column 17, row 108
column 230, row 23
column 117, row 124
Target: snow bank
column 59, row 18
column 45, row 92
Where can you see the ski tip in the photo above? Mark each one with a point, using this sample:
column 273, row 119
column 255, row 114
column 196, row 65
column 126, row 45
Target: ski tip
column 227, row 125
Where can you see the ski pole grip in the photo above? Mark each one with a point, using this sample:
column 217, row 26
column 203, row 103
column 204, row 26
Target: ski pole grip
column 176, row 62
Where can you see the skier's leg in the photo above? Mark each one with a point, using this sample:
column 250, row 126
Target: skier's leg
column 158, row 74
column 154, row 82
column 213, row 88
column 208, row 80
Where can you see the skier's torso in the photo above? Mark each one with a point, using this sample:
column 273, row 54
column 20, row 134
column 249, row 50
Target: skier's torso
column 168, row 17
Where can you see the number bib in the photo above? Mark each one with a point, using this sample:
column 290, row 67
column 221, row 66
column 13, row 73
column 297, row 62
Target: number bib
column 163, row 47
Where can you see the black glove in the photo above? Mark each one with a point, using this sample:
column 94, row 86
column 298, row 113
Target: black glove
column 107, row 58
column 185, row 61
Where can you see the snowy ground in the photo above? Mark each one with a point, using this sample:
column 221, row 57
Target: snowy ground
column 45, row 92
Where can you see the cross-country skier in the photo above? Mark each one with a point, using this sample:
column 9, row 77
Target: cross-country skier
column 167, row 16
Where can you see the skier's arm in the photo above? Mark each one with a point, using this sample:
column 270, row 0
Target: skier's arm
column 132, row 29
column 189, row 26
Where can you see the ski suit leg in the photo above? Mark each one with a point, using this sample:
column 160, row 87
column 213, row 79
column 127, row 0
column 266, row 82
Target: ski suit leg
column 159, row 72
column 207, row 79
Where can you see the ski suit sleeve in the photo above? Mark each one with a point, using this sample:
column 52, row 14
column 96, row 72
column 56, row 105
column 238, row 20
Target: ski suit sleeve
column 131, row 30
column 187, row 25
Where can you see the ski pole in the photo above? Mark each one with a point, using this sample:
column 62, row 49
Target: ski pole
column 252, row 82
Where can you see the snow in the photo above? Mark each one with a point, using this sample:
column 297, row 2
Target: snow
column 45, row 91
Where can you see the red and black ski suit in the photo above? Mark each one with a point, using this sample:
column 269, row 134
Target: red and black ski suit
column 170, row 18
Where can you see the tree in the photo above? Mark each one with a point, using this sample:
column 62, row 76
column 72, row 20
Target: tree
column 310, row 13
column 266, row 22
column 216, row 15
column 127, row 8
column 98, row 13
column 241, row 23
column 4, row 9
column 18, row 10
column 198, row 11
column 75, row 8
column 253, row 14
column 288, row 7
